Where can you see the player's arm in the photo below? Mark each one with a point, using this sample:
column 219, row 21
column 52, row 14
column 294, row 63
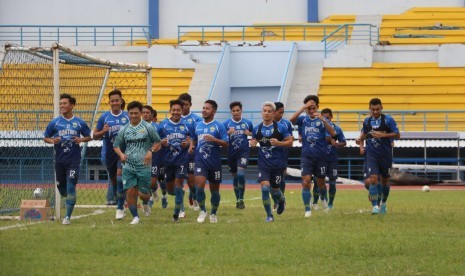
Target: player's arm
column 48, row 135
column 192, row 146
column 285, row 143
column 296, row 114
column 100, row 128
column 121, row 155
column 329, row 128
column 50, row 140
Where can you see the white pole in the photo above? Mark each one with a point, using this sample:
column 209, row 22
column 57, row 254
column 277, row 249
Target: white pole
column 56, row 113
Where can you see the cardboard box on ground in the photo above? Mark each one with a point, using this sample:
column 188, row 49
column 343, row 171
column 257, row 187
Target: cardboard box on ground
column 35, row 209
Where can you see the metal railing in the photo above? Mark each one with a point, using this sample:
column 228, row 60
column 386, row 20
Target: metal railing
column 75, row 35
column 404, row 119
column 350, row 32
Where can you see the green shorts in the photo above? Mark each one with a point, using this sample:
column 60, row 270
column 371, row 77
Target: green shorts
column 140, row 178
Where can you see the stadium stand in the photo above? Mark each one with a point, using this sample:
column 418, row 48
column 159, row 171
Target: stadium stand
column 424, row 26
column 407, row 87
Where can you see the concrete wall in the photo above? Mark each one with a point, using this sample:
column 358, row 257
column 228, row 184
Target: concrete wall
column 194, row 12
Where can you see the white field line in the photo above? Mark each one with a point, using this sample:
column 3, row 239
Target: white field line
column 18, row 225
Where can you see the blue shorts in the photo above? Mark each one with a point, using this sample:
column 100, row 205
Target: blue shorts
column 240, row 161
column 274, row 176
column 67, row 172
column 158, row 172
column 376, row 165
column 313, row 166
column 213, row 176
column 191, row 168
column 331, row 169
column 113, row 165
column 172, row 172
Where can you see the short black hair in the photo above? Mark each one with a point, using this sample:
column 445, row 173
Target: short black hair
column 327, row 111
column 185, row 97
column 312, row 98
column 235, row 103
column 135, row 104
column 279, row 105
column 71, row 99
column 213, row 103
column 175, row 102
column 115, row 92
column 153, row 111
column 375, row 101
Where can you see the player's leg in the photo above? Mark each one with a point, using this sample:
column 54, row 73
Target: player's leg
column 242, row 163
column 120, row 193
column 111, row 165
column 61, row 176
column 306, row 168
column 264, row 177
column 276, row 193
column 214, row 180
column 320, row 174
column 72, row 172
column 232, row 165
column 200, row 179
column 373, row 172
column 130, row 186
column 316, row 193
column 282, row 185
column 191, row 184
column 385, row 172
column 332, row 173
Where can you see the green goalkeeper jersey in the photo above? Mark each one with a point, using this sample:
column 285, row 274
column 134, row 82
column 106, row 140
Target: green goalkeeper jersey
column 135, row 142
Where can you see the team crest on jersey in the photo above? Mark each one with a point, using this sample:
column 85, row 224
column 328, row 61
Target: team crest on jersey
column 75, row 124
column 318, row 123
column 212, row 129
column 123, row 120
column 199, row 169
column 182, row 128
column 243, row 125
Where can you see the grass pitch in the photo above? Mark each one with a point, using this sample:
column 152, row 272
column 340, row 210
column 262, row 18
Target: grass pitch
column 422, row 234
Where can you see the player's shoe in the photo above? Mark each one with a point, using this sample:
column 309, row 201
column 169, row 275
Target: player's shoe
column 375, row 210
column 66, row 221
column 119, row 214
column 308, row 214
column 151, row 201
column 191, row 202
column 155, row 196
column 275, row 206
column 196, row 206
column 324, row 204
column 182, row 214
column 164, row 202
column 147, row 210
column 241, row 204
column 269, row 219
column 111, row 202
column 315, row 206
column 213, row 218
column 383, row 208
column 201, row 217
column 175, row 218
column 330, row 206
column 281, row 206
column 135, row 221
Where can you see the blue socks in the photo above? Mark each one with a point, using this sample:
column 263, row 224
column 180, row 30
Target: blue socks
column 215, row 201
column 266, row 200
column 179, row 196
column 241, row 183
column 306, row 196
column 200, row 194
column 236, row 188
column 332, row 191
column 373, row 192
column 386, row 189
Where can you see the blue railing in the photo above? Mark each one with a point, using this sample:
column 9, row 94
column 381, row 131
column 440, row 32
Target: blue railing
column 350, row 32
column 405, row 119
column 75, row 35
column 274, row 32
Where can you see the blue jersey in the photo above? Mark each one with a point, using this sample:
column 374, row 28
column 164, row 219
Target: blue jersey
column 238, row 142
column 115, row 122
column 191, row 119
column 379, row 146
column 290, row 128
column 332, row 151
column 176, row 133
column 313, row 132
column 207, row 154
column 157, row 157
column 271, row 157
column 67, row 130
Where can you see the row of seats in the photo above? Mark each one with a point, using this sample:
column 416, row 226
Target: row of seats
column 424, row 26
column 403, row 87
column 24, row 88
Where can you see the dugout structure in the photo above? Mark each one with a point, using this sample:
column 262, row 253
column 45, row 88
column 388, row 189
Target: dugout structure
column 31, row 80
